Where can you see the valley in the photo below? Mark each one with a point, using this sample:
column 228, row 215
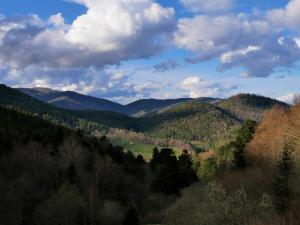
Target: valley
column 177, row 155
column 203, row 123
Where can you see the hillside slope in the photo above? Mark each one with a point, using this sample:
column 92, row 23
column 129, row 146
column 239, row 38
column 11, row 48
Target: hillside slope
column 107, row 118
column 144, row 106
column 250, row 106
column 72, row 100
column 47, row 173
column 75, row 101
column 12, row 98
column 204, row 123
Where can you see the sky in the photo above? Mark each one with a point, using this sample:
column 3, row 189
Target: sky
column 124, row 50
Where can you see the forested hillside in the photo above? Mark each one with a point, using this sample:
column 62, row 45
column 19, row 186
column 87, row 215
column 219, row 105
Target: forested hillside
column 50, row 175
column 11, row 98
column 251, row 180
column 192, row 121
column 205, row 122
column 72, row 100
column 249, row 106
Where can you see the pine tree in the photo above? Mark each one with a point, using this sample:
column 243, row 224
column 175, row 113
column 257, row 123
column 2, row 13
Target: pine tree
column 281, row 187
column 187, row 173
column 245, row 135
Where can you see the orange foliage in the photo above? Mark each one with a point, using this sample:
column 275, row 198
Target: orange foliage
column 268, row 140
column 279, row 125
column 293, row 131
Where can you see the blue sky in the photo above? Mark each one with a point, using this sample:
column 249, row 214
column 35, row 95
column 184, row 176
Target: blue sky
column 125, row 50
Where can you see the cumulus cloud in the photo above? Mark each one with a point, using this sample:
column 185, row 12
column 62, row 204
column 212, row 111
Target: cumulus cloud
column 165, row 66
column 36, row 52
column 198, row 87
column 208, row 6
column 122, row 25
column 109, row 83
column 288, row 17
column 109, row 32
column 237, row 40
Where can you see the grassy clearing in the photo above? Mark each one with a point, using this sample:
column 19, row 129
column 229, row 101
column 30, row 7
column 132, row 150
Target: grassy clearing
column 140, row 148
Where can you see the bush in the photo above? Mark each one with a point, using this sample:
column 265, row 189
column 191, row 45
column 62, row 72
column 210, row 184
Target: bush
column 111, row 213
column 211, row 205
column 63, row 208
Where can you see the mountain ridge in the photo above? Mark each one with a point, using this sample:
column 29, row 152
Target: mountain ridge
column 240, row 105
column 209, row 122
column 75, row 101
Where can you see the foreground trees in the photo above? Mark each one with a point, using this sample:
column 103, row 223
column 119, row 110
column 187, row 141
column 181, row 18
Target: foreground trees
column 50, row 175
column 281, row 183
column 211, row 205
column 171, row 174
column 63, row 208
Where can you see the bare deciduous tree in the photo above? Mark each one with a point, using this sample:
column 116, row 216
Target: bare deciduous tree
column 296, row 99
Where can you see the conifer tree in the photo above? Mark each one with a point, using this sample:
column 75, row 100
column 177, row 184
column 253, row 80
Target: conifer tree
column 187, row 173
column 245, row 135
column 281, row 187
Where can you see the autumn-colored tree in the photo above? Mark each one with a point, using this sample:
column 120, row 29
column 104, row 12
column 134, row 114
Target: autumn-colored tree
column 268, row 139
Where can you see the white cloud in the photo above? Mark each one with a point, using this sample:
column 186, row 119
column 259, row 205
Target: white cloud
column 110, row 83
column 57, row 20
column 198, row 87
column 108, row 33
column 208, row 6
column 120, row 25
column 238, row 41
column 288, row 17
column 227, row 57
column 36, row 52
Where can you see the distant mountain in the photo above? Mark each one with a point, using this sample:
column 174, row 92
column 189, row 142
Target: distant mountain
column 205, row 122
column 249, row 106
column 75, row 101
column 145, row 106
column 72, row 100
column 12, row 98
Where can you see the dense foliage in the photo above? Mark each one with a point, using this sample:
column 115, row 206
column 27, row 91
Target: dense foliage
column 250, row 106
column 172, row 174
column 206, row 122
column 14, row 99
column 53, row 175
column 50, row 175
column 211, row 204
column 192, row 121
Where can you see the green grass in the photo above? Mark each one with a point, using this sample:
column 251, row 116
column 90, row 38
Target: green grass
column 139, row 148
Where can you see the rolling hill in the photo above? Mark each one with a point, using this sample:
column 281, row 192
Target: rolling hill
column 204, row 123
column 249, row 106
column 144, row 106
column 12, row 98
column 72, row 100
